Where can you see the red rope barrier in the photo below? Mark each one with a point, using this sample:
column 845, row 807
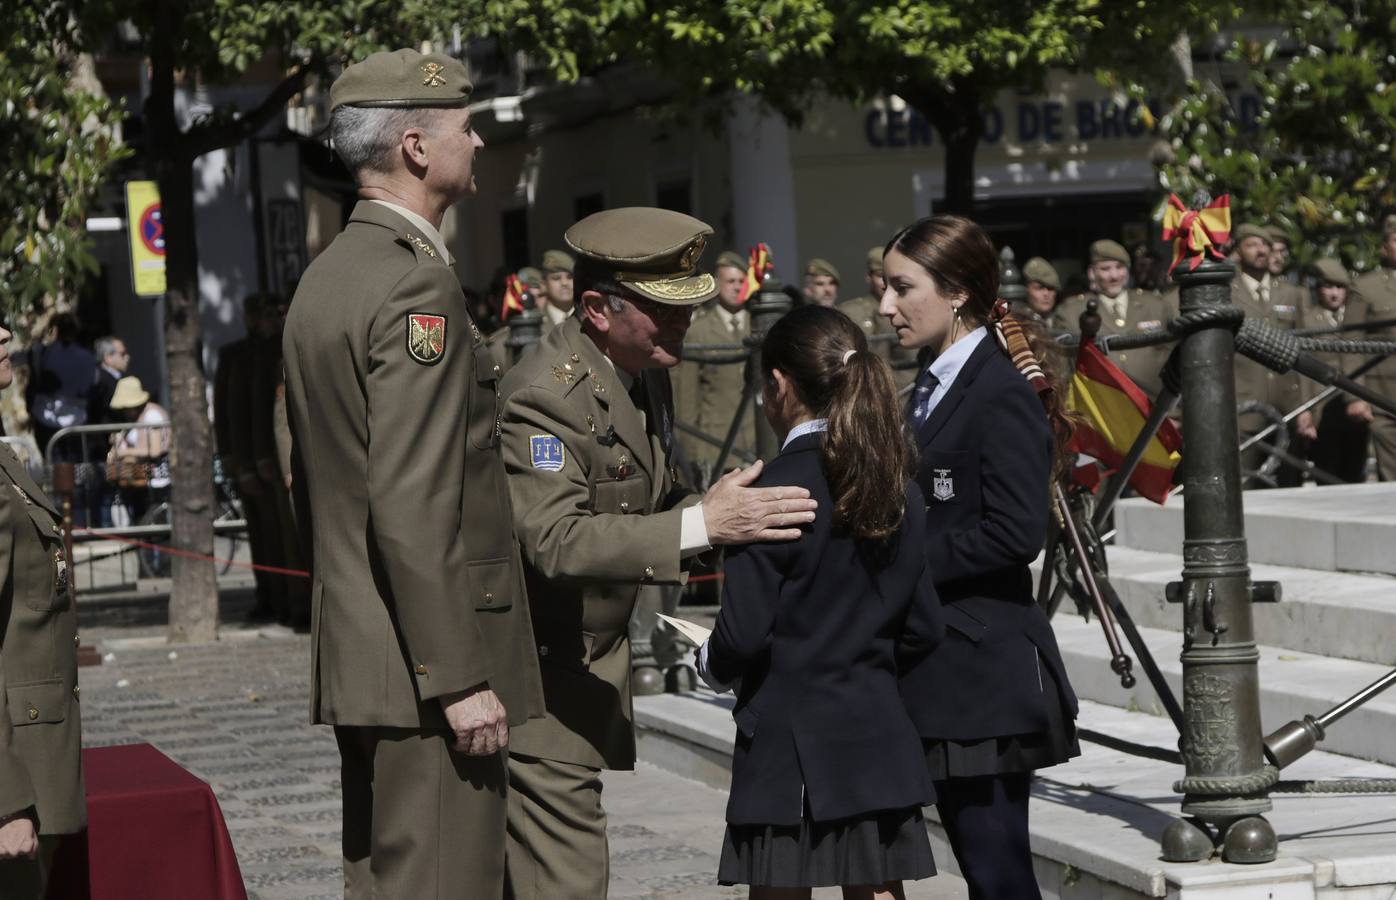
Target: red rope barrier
column 189, row 554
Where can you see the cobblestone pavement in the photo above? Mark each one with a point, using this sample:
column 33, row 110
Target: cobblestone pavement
column 235, row 714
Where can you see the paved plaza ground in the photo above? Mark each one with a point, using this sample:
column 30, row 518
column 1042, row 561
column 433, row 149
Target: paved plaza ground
column 235, row 714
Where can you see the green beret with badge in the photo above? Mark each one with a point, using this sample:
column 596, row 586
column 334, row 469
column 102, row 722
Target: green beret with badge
column 1276, row 234
column 1331, row 271
column 653, row 252
column 1249, row 230
column 731, row 259
column 531, row 276
column 875, row 260
column 558, row 261
column 821, row 267
column 1109, row 250
column 402, row 78
column 1044, row 273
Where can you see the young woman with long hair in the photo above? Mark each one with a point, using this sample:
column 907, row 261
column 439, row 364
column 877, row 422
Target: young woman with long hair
column 828, row 776
column 992, row 702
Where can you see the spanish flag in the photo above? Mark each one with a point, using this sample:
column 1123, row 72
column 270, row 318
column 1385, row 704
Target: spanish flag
column 758, row 264
column 513, row 298
column 1113, row 411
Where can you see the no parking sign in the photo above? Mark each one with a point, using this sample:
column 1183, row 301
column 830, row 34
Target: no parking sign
column 146, row 231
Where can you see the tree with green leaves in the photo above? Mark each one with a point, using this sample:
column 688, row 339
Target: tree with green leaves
column 948, row 59
column 56, row 127
column 1315, row 154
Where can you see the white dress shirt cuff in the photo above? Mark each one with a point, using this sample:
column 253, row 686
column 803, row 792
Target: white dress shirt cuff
column 693, row 532
column 704, row 673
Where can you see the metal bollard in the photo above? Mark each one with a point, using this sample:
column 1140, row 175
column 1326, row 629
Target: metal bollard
column 1226, row 780
column 768, row 306
column 1011, row 287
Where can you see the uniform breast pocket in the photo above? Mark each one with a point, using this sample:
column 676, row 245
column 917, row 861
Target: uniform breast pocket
column 949, row 477
column 626, row 496
column 41, row 568
column 484, row 401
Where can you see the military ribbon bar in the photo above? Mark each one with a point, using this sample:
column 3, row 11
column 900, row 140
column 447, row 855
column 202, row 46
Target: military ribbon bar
column 1196, row 232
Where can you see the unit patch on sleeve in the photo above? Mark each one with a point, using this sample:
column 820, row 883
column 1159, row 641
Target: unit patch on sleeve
column 547, row 452
column 426, row 337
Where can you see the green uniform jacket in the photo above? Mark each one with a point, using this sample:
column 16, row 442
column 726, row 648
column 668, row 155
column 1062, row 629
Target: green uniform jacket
column 400, row 489
column 1145, row 311
column 1373, row 298
column 706, row 396
column 863, row 312
column 41, row 734
column 595, row 522
column 1285, row 311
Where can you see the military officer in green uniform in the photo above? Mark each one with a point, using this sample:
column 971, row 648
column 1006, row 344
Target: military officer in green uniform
column 599, row 512
column 557, row 288
column 1375, row 299
column 41, row 785
column 1341, row 446
column 1042, row 282
column 1263, row 296
column 1122, row 311
column 706, row 395
column 821, row 283
column 863, row 311
column 421, row 656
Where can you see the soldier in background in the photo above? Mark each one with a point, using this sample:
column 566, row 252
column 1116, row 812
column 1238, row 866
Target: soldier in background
column 1261, row 295
column 1279, row 255
column 1042, row 282
column 1122, row 311
column 1375, row 299
column 821, row 283
column 1341, row 446
column 705, row 394
column 556, row 296
column 863, row 312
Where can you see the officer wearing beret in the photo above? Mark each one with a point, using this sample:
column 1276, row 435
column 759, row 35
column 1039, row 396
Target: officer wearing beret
column 41, row 785
column 706, row 395
column 599, row 511
column 821, row 282
column 1122, row 311
column 422, row 655
column 557, row 288
column 863, row 312
column 1374, row 299
column 1043, row 283
column 1341, row 446
column 1263, row 296
column 1279, row 254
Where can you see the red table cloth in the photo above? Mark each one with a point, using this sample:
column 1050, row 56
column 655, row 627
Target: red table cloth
column 154, row 832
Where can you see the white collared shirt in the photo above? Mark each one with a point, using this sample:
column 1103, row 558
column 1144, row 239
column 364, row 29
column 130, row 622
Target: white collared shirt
column 556, row 315
column 809, row 426
column 1259, row 288
column 946, row 367
column 428, row 230
column 733, row 321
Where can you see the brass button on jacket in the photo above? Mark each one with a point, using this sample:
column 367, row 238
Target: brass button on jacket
column 421, row 670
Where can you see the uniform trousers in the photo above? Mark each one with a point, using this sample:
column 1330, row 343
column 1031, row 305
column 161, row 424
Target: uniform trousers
column 986, row 819
column 27, row 879
column 1383, row 430
column 420, row 820
column 557, row 832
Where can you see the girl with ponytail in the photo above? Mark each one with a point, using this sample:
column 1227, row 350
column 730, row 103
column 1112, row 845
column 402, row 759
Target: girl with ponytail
column 992, row 703
column 828, row 774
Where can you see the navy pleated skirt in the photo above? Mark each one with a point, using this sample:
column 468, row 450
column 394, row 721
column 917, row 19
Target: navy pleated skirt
column 864, row 850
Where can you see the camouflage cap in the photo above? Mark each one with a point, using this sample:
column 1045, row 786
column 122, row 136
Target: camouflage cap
column 650, row 251
column 817, row 267
column 1388, row 225
column 875, row 259
column 1040, row 270
column 1107, row 249
column 1276, row 234
column 732, row 259
column 402, row 78
column 1248, row 230
column 531, row 276
column 1331, row 271
column 558, row 261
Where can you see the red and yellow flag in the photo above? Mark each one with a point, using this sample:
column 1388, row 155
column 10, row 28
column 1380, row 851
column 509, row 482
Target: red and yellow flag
column 513, row 298
column 758, row 264
column 1196, row 232
column 1113, row 411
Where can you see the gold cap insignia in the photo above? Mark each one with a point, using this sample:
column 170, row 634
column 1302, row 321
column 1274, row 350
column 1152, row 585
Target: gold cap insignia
column 431, row 75
column 690, row 256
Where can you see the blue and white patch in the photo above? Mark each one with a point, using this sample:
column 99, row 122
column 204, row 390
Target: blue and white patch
column 547, row 452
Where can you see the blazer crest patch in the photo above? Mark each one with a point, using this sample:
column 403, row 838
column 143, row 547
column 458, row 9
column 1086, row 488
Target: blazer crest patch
column 426, row 337
column 547, row 452
column 943, row 485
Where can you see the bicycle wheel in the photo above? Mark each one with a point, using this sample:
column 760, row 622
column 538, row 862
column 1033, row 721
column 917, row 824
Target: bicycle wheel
column 155, row 563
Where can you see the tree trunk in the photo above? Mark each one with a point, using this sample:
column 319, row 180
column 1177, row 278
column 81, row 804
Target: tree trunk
column 194, row 594
column 958, row 117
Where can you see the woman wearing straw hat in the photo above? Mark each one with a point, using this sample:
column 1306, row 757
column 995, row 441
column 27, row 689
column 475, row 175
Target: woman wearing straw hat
column 140, row 455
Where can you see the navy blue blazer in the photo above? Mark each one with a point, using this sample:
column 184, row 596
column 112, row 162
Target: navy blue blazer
column 985, row 467
column 814, row 628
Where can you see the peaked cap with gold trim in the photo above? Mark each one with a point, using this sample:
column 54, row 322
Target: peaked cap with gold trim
column 650, row 251
column 402, row 78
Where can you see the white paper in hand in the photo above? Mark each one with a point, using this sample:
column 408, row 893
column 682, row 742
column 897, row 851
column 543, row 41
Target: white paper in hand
column 691, row 630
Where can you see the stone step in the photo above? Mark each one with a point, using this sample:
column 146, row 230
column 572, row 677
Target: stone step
column 1097, row 820
column 1292, row 684
column 1326, row 613
column 1339, row 528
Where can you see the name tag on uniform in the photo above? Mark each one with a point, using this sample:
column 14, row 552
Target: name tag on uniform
column 1151, row 325
column 547, row 452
